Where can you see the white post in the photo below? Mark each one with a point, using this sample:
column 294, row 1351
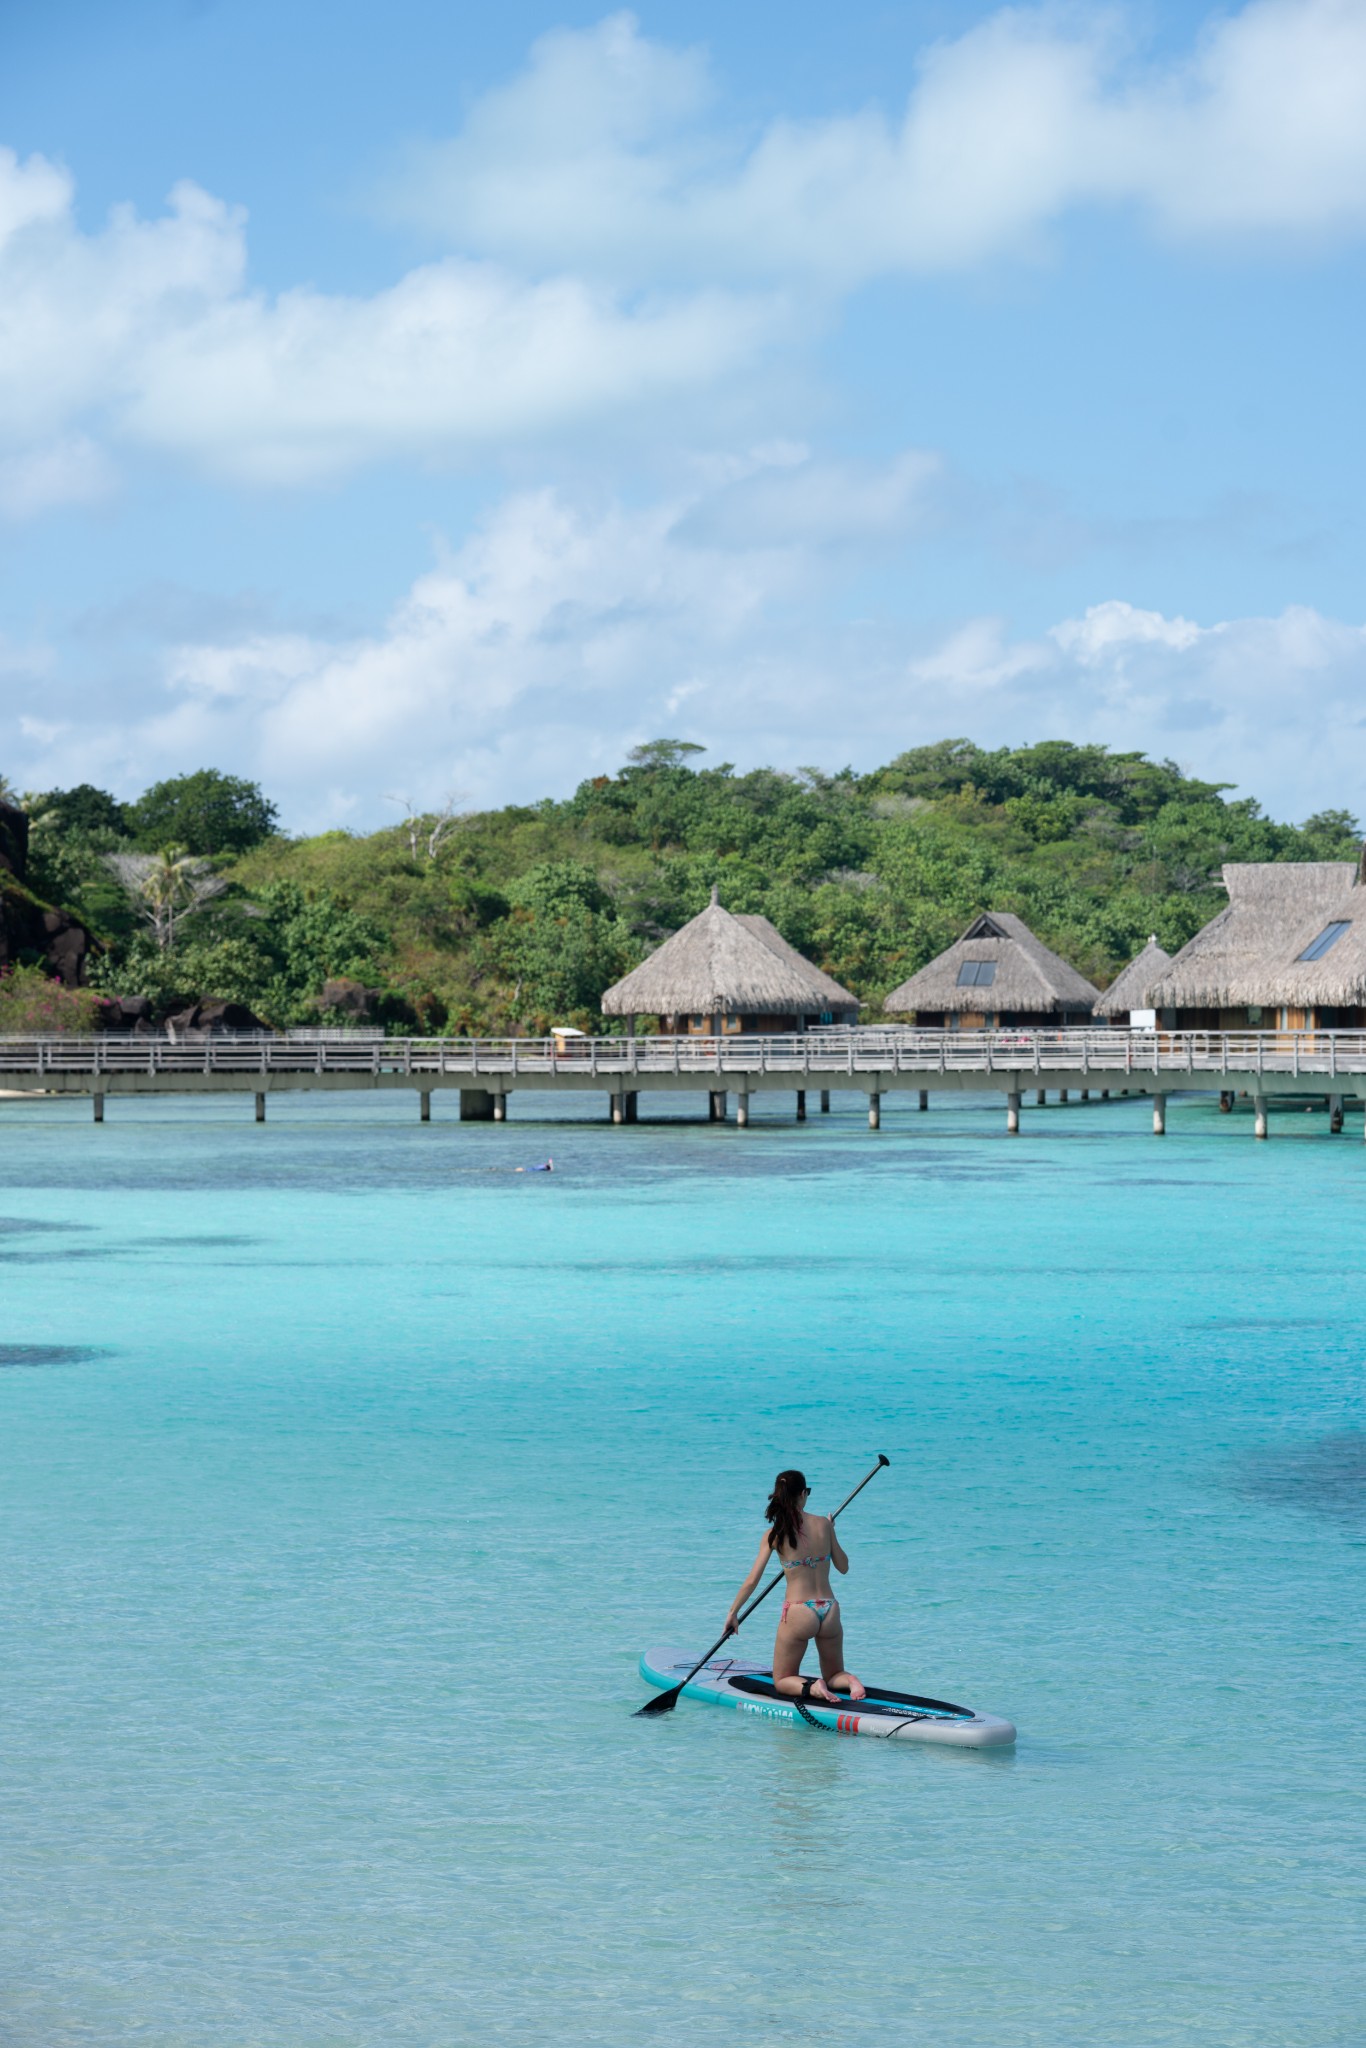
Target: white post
column 618, row 1108
column 742, row 1109
column 874, row 1110
column 1259, row 1116
column 500, row 1108
column 1159, row 1116
column 1013, row 1115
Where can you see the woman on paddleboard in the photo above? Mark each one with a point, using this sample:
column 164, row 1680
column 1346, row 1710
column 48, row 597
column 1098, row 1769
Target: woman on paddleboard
column 805, row 1546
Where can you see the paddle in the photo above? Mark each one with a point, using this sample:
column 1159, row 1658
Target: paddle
column 665, row 1702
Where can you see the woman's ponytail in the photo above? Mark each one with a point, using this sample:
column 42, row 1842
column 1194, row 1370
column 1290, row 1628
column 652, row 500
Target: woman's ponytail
column 784, row 1510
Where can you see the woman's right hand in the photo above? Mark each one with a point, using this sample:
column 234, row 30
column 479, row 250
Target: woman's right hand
column 732, row 1627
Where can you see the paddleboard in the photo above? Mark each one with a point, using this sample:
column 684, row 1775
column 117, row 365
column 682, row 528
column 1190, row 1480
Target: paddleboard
column 904, row 1716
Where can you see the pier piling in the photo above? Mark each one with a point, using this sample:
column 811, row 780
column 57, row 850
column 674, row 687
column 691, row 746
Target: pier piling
column 424, row 1105
column 98, row 1102
column 874, row 1111
column 260, row 1107
column 742, row 1109
column 825, row 1102
column 1013, row 1115
column 1159, row 1116
column 1334, row 1114
column 1259, row 1116
column 801, row 1105
column 924, row 1101
column 716, row 1106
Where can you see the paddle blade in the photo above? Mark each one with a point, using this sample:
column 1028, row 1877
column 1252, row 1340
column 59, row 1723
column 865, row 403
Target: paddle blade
column 662, row 1703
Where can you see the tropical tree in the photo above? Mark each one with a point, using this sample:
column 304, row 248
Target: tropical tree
column 165, row 888
column 204, row 813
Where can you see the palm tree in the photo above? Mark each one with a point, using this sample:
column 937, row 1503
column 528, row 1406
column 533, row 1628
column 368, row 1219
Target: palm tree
column 167, row 887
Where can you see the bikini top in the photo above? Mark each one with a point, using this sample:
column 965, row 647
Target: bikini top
column 798, row 1563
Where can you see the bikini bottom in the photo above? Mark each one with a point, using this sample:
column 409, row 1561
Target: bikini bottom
column 820, row 1608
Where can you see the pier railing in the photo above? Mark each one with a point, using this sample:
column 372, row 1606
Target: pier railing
column 823, row 1056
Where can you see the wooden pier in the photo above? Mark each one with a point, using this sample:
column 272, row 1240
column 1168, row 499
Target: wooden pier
column 875, row 1062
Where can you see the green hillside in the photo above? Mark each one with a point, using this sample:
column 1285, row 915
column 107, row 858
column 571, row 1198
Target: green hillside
column 507, row 920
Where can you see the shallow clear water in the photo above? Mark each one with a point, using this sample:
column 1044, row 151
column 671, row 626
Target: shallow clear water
column 347, row 1473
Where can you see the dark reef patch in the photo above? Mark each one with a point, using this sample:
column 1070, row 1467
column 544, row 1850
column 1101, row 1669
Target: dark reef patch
column 46, row 1354
column 27, row 1226
column 1326, row 1476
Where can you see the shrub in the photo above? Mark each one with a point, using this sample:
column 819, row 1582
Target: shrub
column 33, row 1005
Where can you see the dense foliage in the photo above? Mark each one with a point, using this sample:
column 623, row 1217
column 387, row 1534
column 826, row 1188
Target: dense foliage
column 203, row 813
column 32, row 1002
column 515, row 918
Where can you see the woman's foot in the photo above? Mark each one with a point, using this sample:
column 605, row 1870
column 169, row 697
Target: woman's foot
column 852, row 1688
column 821, row 1691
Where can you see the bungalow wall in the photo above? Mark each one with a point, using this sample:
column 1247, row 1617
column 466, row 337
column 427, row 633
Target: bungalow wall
column 1268, row 1017
column 1001, row 1020
column 768, row 1026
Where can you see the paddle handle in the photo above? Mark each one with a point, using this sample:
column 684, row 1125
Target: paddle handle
column 750, row 1606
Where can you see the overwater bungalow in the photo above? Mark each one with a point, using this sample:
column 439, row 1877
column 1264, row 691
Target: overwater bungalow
column 1287, row 954
column 1125, row 1002
column 725, row 973
column 997, row 974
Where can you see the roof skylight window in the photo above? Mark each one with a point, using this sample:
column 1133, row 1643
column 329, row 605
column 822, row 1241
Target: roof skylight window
column 1326, row 939
column 977, row 974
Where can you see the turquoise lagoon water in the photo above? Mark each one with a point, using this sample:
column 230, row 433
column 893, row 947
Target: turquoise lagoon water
column 347, row 1472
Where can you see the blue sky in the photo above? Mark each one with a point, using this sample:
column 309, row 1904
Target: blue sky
column 409, row 401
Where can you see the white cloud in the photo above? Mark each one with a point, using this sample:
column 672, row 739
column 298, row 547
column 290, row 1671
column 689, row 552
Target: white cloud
column 1108, row 631
column 145, row 332
column 563, row 632
column 977, row 656
column 1274, row 705
column 607, row 153
column 72, row 471
column 618, row 247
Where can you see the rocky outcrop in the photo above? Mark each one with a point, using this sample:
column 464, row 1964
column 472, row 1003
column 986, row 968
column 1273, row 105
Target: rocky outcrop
column 209, row 1015
column 14, row 841
column 31, row 930
column 37, row 934
column 343, row 1001
column 129, row 1013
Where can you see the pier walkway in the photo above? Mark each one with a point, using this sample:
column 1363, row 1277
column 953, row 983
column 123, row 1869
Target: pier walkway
column 874, row 1061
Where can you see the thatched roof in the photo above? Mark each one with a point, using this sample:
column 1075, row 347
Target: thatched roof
column 734, row 966
column 1250, row 953
column 1028, row 978
column 824, row 986
column 1129, row 989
